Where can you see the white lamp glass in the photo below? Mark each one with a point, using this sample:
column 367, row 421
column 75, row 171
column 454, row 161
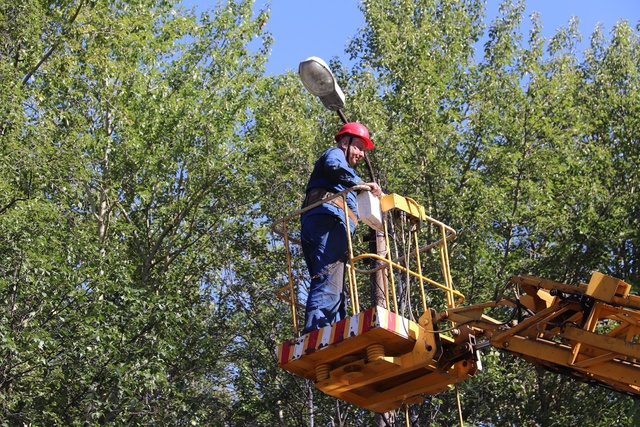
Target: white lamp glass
column 318, row 79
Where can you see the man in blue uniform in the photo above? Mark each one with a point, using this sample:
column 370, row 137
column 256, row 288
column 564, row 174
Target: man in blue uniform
column 324, row 235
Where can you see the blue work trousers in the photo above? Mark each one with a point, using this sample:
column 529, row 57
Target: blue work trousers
column 325, row 246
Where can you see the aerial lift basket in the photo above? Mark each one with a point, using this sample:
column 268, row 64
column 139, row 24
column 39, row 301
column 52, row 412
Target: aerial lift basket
column 378, row 359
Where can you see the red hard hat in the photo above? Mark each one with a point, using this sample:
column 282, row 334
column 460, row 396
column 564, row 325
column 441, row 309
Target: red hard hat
column 356, row 129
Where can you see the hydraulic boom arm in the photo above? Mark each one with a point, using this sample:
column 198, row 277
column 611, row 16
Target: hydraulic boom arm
column 589, row 332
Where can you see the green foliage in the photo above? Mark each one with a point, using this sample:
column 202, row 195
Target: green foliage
column 143, row 156
column 124, row 175
column 511, row 393
column 528, row 150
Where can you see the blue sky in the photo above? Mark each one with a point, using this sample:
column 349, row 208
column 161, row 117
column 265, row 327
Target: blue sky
column 303, row 28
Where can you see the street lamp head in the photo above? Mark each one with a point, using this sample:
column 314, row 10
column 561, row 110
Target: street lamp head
column 316, row 76
column 318, row 79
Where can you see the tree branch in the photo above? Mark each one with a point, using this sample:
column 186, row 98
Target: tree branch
column 48, row 54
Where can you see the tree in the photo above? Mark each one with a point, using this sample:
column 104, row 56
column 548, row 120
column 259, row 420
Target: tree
column 144, row 155
column 499, row 149
column 124, row 176
column 610, row 88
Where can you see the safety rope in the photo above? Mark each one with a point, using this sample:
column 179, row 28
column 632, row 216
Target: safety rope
column 406, row 414
column 459, row 405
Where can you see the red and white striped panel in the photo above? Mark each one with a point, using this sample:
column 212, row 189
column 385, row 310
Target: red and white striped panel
column 358, row 324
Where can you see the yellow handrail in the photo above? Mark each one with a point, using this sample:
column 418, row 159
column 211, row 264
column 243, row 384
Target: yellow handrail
column 416, row 275
column 453, row 296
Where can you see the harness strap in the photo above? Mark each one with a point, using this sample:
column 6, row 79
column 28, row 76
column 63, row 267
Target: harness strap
column 316, row 195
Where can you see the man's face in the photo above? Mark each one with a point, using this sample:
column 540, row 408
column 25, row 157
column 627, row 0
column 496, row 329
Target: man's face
column 356, row 153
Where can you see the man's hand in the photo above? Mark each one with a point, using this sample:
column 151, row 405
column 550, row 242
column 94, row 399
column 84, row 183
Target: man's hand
column 375, row 188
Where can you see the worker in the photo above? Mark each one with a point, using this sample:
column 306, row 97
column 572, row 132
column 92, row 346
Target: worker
column 324, row 233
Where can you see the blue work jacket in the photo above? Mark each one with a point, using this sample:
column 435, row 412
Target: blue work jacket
column 332, row 173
